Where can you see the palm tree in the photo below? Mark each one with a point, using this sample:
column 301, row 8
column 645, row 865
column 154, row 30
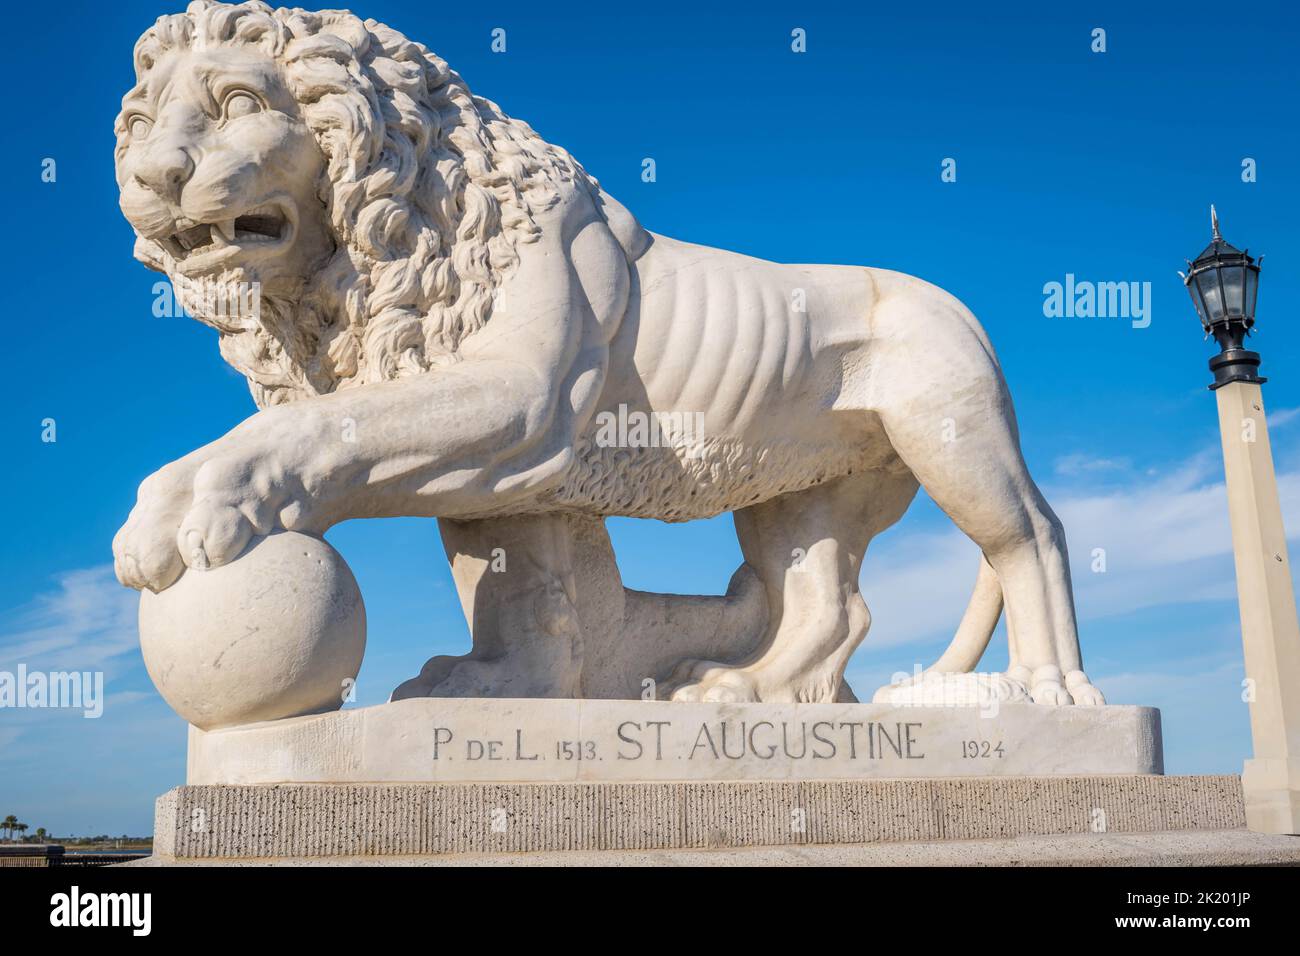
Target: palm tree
column 20, row 827
column 8, row 823
column 41, row 835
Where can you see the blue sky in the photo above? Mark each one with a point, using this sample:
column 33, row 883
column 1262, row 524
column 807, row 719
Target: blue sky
column 1102, row 165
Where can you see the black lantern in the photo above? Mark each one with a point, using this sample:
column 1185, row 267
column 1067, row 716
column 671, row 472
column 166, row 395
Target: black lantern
column 1223, row 283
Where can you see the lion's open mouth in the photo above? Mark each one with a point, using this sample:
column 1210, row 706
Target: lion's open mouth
column 264, row 224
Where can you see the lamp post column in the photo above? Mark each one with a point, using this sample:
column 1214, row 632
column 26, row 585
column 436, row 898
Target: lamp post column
column 1269, row 631
column 1223, row 282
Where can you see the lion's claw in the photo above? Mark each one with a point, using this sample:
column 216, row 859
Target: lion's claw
column 201, row 517
column 213, row 534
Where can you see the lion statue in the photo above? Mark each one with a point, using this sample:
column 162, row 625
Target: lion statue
column 450, row 318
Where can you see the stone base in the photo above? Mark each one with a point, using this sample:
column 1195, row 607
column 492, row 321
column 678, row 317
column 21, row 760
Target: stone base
column 478, row 740
column 1166, row 848
column 438, row 775
column 333, row 821
column 1272, row 793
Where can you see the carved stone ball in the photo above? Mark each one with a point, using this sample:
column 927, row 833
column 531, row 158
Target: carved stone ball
column 278, row 632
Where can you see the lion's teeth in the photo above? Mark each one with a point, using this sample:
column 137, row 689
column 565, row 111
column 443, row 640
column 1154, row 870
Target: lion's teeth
column 227, row 228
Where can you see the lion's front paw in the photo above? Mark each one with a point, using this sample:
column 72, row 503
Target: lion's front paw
column 144, row 550
column 235, row 497
column 202, row 516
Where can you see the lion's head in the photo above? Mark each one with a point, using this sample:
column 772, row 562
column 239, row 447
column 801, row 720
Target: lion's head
column 338, row 177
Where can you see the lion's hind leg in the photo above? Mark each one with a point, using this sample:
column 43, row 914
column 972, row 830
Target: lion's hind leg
column 807, row 549
column 943, row 402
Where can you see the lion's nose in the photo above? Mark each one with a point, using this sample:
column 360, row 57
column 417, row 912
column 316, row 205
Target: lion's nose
column 165, row 170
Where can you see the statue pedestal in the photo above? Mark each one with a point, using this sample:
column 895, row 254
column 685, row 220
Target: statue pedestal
column 479, row 740
column 432, row 776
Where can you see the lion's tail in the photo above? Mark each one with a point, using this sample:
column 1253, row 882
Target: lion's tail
column 977, row 624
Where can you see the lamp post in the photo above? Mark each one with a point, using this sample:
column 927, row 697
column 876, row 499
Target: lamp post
column 1223, row 282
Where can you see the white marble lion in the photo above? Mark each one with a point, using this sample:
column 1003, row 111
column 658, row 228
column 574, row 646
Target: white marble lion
column 441, row 314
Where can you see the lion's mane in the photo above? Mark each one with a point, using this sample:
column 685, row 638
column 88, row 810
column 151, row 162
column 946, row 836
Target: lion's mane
column 429, row 190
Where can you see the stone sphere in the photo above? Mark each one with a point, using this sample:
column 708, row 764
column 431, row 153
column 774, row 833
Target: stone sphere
column 275, row 633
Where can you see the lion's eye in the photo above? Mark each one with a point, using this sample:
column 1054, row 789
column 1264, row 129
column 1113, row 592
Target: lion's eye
column 138, row 126
column 240, row 103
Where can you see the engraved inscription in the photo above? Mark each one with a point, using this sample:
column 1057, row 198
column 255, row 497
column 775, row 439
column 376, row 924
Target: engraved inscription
column 720, row 740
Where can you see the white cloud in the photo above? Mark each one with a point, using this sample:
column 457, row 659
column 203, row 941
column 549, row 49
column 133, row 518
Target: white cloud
column 1080, row 464
column 1282, row 417
column 1205, row 724
column 917, row 586
column 88, row 622
column 1195, row 681
column 1166, row 540
column 85, row 622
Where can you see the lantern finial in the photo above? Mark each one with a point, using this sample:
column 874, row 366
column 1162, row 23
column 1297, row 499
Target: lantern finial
column 1214, row 221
